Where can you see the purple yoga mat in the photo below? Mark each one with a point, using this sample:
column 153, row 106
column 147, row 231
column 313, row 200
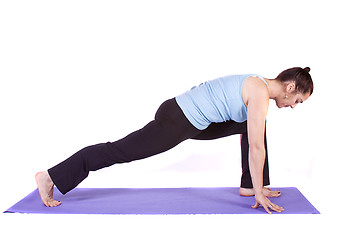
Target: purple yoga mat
column 160, row 201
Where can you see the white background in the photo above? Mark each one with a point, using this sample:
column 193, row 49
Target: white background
column 77, row 73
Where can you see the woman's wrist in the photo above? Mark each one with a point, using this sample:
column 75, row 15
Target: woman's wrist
column 258, row 191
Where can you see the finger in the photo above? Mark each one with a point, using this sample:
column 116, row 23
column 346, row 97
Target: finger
column 267, row 209
column 279, row 207
column 256, row 205
column 276, row 208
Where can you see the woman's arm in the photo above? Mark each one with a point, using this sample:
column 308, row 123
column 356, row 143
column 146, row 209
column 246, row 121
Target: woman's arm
column 257, row 107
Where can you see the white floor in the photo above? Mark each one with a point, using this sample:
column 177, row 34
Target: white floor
column 76, row 73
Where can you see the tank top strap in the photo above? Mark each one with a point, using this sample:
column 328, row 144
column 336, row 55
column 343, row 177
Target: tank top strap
column 262, row 79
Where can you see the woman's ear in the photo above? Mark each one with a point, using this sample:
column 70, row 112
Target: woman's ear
column 291, row 87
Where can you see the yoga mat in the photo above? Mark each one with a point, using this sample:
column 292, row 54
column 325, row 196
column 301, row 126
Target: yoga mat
column 160, row 201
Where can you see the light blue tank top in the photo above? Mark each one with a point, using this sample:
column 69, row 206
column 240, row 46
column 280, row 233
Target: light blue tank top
column 215, row 101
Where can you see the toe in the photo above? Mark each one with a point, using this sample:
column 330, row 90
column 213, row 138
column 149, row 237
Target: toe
column 55, row 203
column 275, row 194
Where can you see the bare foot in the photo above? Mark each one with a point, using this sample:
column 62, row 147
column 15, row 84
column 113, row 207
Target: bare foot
column 247, row 192
column 46, row 189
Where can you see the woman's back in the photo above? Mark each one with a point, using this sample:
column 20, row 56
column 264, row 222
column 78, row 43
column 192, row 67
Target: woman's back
column 215, row 101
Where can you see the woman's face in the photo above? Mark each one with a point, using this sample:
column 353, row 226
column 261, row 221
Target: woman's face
column 291, row 98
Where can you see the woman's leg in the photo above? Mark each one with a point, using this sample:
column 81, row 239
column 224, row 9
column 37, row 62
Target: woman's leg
column 246, row 177
column 246, row 188
column 169, row 128
column 219, row 130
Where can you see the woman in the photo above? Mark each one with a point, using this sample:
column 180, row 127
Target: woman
column 225, row 106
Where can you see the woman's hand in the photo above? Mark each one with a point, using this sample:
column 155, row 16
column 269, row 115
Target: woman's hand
column 266, row 203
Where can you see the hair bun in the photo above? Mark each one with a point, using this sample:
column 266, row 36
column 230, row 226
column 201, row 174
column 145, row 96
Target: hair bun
column 307, row 69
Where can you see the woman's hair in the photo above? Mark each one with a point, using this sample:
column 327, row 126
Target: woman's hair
column 301, row 76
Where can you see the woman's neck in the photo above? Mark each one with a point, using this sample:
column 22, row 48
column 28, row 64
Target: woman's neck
column 275, row 88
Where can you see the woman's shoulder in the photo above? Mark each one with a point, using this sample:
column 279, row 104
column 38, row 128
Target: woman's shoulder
column 255, row 87
column 255, row 81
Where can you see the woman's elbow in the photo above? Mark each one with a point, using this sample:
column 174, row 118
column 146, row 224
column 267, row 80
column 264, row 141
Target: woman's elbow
column 257, row 147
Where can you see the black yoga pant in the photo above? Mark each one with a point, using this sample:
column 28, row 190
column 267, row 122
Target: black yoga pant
column 169, row 128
